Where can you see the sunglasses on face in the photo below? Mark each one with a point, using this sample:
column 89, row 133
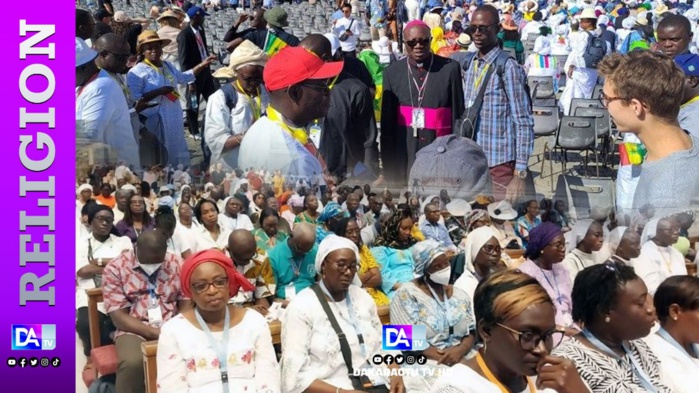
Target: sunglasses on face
column 479, row 29
column 414, row 43
column 120, row 56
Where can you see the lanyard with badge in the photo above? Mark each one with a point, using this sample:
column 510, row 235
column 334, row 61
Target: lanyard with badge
column 352, row 317
column 155, row 313
column 222, row 349
column 175, row 95
column 671, row 340
column 418, row 113
column 638, row 370
column 444, row 305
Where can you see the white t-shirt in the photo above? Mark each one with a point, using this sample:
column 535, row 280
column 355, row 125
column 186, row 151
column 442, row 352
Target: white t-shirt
column 352, row 24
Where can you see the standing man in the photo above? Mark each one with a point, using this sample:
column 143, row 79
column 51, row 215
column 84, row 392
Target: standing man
column 674, row 35
column 689, row 111
column 422, row 98
column 347, row 29
column 505, row 124
column 192, row 50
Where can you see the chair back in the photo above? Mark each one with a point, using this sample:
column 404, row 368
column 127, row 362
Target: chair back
column 541, row 86
column 584, row 103
column 576, row 133
column 597, row 92
column 601, row 118
column 545, row 120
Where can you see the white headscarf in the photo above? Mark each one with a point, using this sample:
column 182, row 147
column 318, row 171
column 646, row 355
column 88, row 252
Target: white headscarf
column 542, row 46
column 475, row 240
column 615, row 237
column 577, row 234
column 333, row 243
column 82, row 188
column 650, row 230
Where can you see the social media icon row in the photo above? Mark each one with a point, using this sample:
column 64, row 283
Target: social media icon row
column 33, row 362
column 399, row 359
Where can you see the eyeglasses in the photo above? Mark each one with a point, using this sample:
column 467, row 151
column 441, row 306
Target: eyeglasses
column 422, row 42
column 529, row 341
column 479, row 29
column 120, row 56
column 492, row 250
column 203, row 286
column 605, row 100
column 342, row 268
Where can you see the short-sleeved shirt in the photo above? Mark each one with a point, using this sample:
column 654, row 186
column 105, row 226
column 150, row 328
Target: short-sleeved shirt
column 259, row 273
column 259, row 37
column 126, row 285
column 283, row 265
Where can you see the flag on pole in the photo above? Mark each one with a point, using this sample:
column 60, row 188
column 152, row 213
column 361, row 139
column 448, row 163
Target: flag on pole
column 273, row 44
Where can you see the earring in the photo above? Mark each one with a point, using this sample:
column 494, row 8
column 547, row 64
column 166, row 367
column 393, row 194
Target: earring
column 485, row 346
column 607, row 319
column 674, row 318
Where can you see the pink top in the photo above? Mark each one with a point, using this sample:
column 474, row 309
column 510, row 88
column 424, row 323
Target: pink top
column 557, row 283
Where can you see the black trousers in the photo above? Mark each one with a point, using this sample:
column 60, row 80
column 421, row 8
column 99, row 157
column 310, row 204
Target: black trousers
column 83, row 329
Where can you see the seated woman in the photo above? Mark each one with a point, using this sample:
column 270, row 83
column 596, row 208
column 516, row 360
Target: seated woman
column 515, row 316
column 613, row 305
column 392, row 250
column 166, row 223
column 544, row 256
column 443, row 309
column 136, row 219
column 528, row 221
column 482, row 257
column 331, row 213
column 624, row 244
column 582, row 241
column 676, row 344
column 658, row 259
column 233, row 217
column 310, row 210
column 215, row 347
column 210, row 234
column 369, row 271
column 268, row 234
column 313, row 360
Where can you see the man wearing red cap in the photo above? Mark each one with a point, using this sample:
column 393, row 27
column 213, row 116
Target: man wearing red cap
column 286, row 138
column 422, row 98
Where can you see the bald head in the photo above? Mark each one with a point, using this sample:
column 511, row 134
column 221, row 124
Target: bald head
column 302, row 239
column 319, row 45
column 241, row 242
column 109, row 42
column 151, row 247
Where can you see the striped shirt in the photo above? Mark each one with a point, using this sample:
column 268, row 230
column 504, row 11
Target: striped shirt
column 505, row 128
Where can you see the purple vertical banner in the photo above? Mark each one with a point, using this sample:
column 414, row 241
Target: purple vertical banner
column 38, row 232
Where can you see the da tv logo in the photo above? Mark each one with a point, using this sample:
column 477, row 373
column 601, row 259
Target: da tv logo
column 404, row 338
column 33, row 337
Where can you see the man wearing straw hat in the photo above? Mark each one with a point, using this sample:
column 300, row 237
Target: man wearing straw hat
column 236, row 105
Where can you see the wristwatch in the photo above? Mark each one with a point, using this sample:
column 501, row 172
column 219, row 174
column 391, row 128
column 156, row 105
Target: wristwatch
column 521, row 174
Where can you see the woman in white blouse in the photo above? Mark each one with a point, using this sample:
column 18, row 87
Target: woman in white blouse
column 312, row 360
column 233, row 217
column 483, row 255
column 585, row 239
column 658, row 259
column 676, row 344
column 215, row 347
column 210, row 234
column 176, row 243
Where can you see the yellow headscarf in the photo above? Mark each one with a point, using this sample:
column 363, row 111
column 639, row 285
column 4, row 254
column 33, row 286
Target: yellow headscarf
column 438, row 40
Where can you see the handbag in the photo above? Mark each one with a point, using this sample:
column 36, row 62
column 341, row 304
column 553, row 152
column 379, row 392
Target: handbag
column 361, row 383
column 466, row 125
column 344, row 36
column 105, row 359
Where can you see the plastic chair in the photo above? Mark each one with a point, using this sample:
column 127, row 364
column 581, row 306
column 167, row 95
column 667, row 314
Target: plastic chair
column 601, row 115
column 597, row 92
column 584, row 103
column 577, row 134
column 541, row 86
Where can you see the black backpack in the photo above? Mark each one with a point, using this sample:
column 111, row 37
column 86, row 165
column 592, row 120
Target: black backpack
column 595, row 50
column 231, row 95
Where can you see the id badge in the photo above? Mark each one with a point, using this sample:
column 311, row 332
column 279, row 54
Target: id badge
column 155, row 315
column 290, row 292
column 418, row 118
column 314, row 133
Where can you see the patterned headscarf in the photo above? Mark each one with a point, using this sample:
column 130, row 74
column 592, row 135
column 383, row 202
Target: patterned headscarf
column 473, row 216
column 235, row 279
column 332, row 209
column 424, row 253
column 390, row 231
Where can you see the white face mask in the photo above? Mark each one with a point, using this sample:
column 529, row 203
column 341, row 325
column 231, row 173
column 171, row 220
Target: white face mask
column 150, row 269
column 441, row 277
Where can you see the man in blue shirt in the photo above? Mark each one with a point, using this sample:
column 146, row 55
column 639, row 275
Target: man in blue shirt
column 433, row 229
column 293, row 262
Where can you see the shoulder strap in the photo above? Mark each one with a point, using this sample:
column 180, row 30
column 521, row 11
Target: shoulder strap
column 468, row 60
column 344, row 345
column 231, row 95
